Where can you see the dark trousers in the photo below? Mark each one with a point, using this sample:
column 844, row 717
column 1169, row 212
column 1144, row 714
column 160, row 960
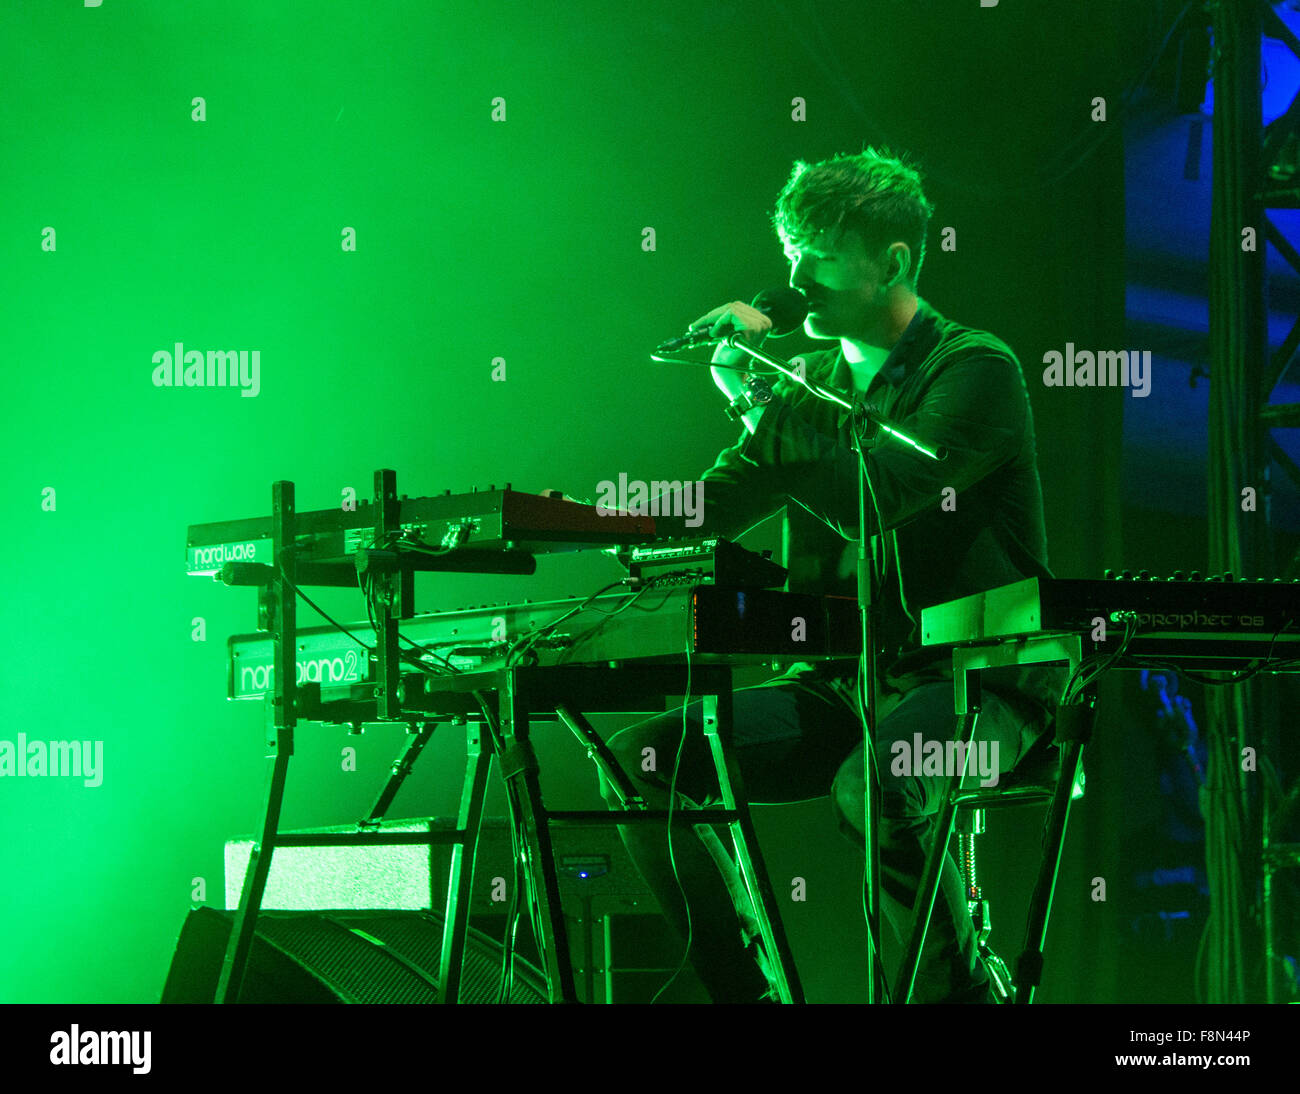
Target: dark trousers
column 800, row 740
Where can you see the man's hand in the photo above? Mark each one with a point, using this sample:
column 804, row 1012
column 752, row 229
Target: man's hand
column 560, row 495
column 736, row 316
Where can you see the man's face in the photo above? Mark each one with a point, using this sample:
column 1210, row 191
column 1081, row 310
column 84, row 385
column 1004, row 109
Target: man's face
column 844, row 284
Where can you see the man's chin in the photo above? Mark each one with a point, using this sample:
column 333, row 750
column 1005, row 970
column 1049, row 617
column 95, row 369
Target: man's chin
column 814, row 327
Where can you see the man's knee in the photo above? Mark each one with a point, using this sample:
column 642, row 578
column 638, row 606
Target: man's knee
column 846, row 799
column 637, row 756
column 648, row 755
column 900, row 800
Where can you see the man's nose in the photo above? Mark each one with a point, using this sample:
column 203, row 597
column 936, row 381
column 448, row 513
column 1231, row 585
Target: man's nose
column 800, row 280
column 802, row 284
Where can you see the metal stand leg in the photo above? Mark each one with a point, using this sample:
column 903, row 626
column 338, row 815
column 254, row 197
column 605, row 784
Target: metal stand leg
column 1073, row 729
column 402, row 767
column 519, row 768
column 250, row 901
column 749, row 859
column 929, row 888
column 279, row 608
column 970, row 824
column 460, row 874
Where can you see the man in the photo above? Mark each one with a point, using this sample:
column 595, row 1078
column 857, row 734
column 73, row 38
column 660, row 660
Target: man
column 854, row 230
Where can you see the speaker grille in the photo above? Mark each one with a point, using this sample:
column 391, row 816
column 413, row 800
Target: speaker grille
column 351, row 957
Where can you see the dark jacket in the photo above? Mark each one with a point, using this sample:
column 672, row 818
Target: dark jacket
column 949, row 386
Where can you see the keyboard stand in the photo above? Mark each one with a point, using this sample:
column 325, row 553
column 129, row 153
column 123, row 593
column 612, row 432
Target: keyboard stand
column 521, row 695
column 1073, row 729
column 559, row 693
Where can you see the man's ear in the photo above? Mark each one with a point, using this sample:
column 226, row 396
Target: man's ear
column 900, row 262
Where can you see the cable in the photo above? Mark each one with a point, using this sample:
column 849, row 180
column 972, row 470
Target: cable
column 316, row 607
column 368, row 593
column 447, row 668
column 518, row 851
column 525, row 643
column 1105, row 662
column 1085, row 674
column 672, row 861
column 860, row 693
column 609, row 615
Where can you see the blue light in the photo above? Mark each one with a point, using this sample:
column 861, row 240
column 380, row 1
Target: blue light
column 1280, row 71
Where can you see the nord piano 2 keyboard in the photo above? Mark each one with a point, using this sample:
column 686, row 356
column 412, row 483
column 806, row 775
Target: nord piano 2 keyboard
column 716, row 624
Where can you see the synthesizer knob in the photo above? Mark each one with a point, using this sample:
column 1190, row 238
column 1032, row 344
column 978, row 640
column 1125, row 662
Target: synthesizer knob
column 491, row 486
column 1143, row 575
column 1108, row 574
column 1227, row 575
column 1196, row 575
column 1127, row 575
column 507, row 486
column 1213, row 577
column 1178, row 576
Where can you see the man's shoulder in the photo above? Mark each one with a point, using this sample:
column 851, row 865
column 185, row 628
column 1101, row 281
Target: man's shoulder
column 957, row 340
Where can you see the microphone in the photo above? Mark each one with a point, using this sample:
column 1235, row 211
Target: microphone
column 786, row 307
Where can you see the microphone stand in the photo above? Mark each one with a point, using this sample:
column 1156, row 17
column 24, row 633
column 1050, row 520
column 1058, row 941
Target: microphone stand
column 868, row 424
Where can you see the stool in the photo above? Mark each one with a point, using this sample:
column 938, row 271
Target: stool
column 1031, row 782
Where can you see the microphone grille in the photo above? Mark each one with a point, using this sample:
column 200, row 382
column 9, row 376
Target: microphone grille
column 786, row 307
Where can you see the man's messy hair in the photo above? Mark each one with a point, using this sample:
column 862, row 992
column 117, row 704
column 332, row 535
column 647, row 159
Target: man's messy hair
column 871, row 192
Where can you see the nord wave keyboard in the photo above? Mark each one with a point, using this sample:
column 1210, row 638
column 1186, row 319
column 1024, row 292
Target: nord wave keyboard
column 715, row 624
column 1218, row 618
column 484, row 520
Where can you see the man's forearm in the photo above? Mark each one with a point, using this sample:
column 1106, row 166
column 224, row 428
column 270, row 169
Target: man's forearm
column 732, row 382
column 751, row 418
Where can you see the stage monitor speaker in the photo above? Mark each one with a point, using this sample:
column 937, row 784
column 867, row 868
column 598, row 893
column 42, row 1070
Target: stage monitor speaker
column 340, row 957
column 594, row 870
